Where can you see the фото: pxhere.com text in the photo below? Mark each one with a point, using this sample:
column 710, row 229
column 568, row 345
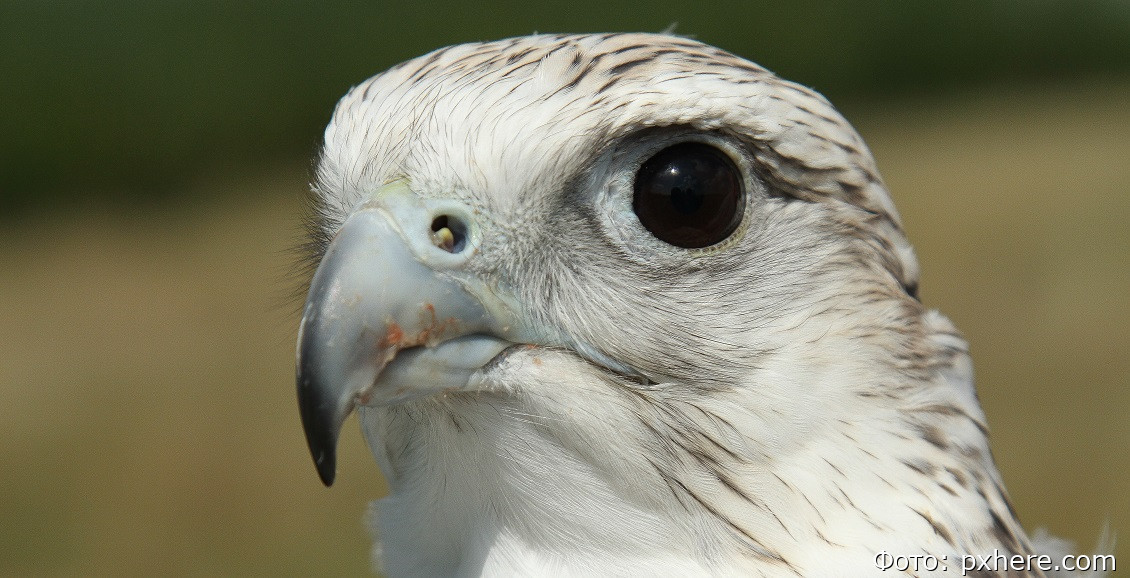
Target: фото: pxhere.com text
column 995, row 561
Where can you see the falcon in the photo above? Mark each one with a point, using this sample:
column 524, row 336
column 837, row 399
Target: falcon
column 628, row 304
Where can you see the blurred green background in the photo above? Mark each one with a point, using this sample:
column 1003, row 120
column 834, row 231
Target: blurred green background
column 153, row 162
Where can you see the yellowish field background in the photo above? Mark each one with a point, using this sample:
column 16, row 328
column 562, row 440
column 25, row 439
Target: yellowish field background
column 147, row 415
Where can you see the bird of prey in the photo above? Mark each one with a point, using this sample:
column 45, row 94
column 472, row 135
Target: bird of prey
column 628, row 304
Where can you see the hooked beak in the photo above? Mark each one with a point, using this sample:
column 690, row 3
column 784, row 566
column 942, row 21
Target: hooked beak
column 392, row 315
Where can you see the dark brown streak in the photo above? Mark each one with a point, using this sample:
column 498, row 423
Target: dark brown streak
column 934, row 436
column 628, row 48
column 736, row 489
column 721, row 447
column 626, row 66
column 812, row 95
column 914, row 467
column 820, row 137
column 938, row 528
column 821, row 535
column 519, row 55
column 848, row 498
column 579, row 77
column 518, row 67
column 556, row 48
column 420, row 71
column 668, row 479
column 659, row 436
column 815, row 510
column 761, row 550
column 1005, row 535
column 611, row 82
column 831, row 465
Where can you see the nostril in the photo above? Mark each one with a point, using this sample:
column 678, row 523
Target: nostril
column 449, row 233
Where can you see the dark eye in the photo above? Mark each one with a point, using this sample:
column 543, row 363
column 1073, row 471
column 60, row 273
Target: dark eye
column 689, row 195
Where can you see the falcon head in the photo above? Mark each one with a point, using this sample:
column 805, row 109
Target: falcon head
column 628, row 303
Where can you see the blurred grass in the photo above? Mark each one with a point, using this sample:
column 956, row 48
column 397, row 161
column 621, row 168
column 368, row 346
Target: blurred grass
column 149, row 422
column 1018, row 203
column 149, row 425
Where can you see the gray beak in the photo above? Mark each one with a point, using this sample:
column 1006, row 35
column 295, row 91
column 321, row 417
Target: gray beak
column 392, row 315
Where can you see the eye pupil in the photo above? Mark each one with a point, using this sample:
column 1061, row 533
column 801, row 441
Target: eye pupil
column 689, row 195
column 686, row 201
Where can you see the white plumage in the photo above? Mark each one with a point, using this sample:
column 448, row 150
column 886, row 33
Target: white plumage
column 555, row 383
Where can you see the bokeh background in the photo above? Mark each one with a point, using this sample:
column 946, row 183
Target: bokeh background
column 153, row 164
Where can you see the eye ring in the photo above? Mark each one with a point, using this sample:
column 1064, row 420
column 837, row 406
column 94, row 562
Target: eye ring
column 690, row 195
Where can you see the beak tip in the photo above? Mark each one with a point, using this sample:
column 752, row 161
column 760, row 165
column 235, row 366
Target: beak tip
column 327, row 467
column 323, row 449
column 321, row 428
